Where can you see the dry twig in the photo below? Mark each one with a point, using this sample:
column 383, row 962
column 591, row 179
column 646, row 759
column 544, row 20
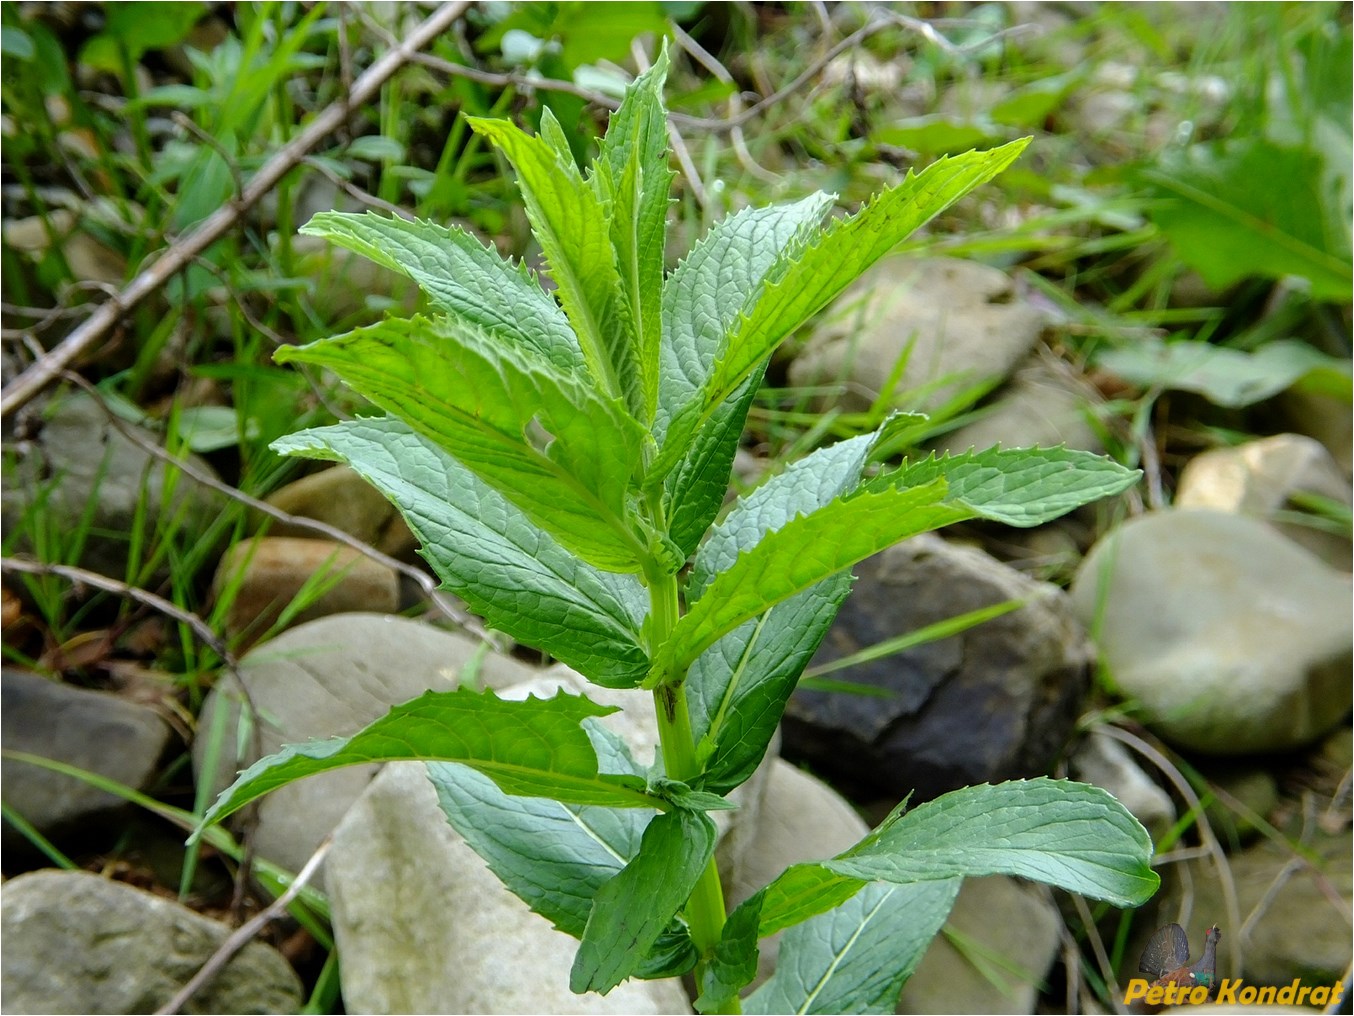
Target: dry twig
column 183, row 250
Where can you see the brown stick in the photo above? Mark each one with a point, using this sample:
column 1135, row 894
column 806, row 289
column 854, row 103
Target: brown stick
column 182, row 251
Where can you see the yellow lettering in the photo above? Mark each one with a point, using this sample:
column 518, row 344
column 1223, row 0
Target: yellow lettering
column 1287, row 993
column 1154, row 995
column 1227, row 990
column 1246, row 996
column 1268, row 994
column 1137, row 988
column 1336, row 990
column 1321, row 996
column 1198, row 994
column 1303, row 992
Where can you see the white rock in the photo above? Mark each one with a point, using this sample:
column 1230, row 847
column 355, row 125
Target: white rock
column 1258, row 479
column 1104, row 762
column 423, row 926
column 1232, row 638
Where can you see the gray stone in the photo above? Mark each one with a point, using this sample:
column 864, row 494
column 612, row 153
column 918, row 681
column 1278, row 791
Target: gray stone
column 263, row 576
column 1041, row 407
column 955, row 323
column 326, row 678
column 1260, row 478
column 74, row 942
column 84, row 475
column 341, row 498
column 1106, row 763
column 435, row 931
column 996, row 702
column 93, row 730
column 1230, row 637
column 997, row 917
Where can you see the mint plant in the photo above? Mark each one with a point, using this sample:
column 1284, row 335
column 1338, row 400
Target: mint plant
column 563, row 461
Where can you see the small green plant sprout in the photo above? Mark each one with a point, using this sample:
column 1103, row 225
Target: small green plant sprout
column 563, row 462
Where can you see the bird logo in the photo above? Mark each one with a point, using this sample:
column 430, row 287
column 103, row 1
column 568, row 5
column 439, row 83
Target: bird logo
column 1166, row 959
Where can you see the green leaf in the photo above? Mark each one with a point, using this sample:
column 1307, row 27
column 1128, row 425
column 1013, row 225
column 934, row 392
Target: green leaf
column 807, row 277
column 535, row 747
column 461, row 276
column 558, row 450
column 857, row 957
column 553, row 856
column 1252, row 207
column 1226, row 377
column 803, row 891
column 633, row 176
column 737, row 689
column 701, row 302
column 570, row 223
column 734, row 960
column 489, row 553
column 1018, row 486
column 1066, row 834
column 632, row 910
column 798, row 555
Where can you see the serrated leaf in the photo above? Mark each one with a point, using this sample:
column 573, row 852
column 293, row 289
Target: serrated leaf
column 800, row 892
column 632, row 910
column 461, row 276
column 634, row 177
column 701, row 301
column 570, row 223
column 797, row 556
column 807, row 277
column 1018, row 486
column 535, row 747
column 488, row 552
column 737, row 689
column 454, row 384
column 857, row 957
column 1066, row 834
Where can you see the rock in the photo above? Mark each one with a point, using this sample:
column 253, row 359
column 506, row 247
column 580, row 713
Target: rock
column 93, row 730
column 1106, row 763
column 263, row 576
column 1295, row 914
column 326, row 678
column 437, row 932
column 341, row 498
column 955, row 324
column 1013, row 930
column 801, row 819
column 1230, row 637
column 76, row 942
column 1041, row 407
column 994, row 703
column 85, row 477
column 1260, row 478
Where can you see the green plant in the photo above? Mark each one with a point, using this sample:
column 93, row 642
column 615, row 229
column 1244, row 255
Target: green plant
column 561, row 463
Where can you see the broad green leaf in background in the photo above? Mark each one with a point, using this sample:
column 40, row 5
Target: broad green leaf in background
column 535, row 747
column 488, row 552
column 461, row 276
column 737, row 689
column 631, row 911
column 1018, row 486
column 800, row 554
column 633, row 177
column 483, row 403
column 1070, row 835
column 130, row 31
column 571, row 224
column 857, row 957
column 1227, row 377
column 1254, row 208
column 807, row 277
column 701, row 301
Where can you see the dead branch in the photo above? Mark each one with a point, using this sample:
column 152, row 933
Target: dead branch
column 183, row 250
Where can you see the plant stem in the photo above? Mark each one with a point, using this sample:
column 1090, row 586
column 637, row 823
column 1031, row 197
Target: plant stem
column 705, row 912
